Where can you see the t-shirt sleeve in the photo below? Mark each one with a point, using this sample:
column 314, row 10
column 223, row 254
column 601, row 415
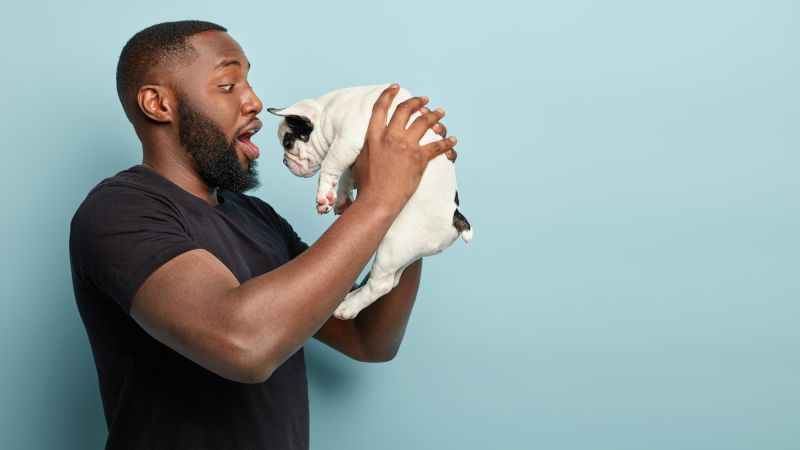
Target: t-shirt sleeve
column 294, row 244
column 120, row 235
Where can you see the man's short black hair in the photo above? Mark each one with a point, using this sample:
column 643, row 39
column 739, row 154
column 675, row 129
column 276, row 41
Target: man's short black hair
column 161, row 44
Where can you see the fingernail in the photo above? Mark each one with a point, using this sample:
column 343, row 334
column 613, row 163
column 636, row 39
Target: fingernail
column 394, row 86
column 453, row 139
column 424, row 99
column 440, row 110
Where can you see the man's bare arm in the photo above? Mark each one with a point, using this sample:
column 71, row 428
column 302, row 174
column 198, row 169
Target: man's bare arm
column 194, row 304
column 377, row 331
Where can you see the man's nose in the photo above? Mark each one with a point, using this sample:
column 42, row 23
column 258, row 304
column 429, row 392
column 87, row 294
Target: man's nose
column 252, row 104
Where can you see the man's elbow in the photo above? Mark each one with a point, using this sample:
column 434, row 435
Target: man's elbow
column 384, row 357
column 249, row 372
column 377, row 356
column 253, row 377
column 245, row 365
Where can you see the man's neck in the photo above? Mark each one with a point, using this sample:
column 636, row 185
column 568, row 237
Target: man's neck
column 184, row 175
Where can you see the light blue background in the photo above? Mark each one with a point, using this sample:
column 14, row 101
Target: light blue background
column 631, row 170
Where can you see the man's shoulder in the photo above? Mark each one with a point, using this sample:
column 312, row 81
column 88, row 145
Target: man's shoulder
column 135, row 178
column 130, row 188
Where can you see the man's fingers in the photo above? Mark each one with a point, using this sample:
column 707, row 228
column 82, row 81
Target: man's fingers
column 425, row 121
column 405, row 110
column 436, row 148
column 440, row 129
column 381, row 108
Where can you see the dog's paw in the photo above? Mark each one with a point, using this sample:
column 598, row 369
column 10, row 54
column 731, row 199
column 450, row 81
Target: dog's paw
column 326, row 201
column 341, row 205
column 346, row 311
column 323, row 207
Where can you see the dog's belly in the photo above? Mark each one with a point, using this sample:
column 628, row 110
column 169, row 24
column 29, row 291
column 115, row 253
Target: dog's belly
column 426, row 222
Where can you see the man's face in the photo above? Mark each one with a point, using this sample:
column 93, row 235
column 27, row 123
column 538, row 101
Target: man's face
column 214, row 155
column 217, row 113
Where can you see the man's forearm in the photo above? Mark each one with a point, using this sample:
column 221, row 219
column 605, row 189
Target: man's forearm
column 376, row 333
column 382, row 325
column 278, row 311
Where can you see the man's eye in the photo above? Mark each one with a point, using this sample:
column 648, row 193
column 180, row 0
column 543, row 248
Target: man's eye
column 227, row 87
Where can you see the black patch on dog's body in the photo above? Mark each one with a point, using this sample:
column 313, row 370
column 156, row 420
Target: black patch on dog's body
column 459, row 221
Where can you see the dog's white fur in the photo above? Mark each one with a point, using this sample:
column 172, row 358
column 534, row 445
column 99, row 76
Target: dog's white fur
column 423, row 228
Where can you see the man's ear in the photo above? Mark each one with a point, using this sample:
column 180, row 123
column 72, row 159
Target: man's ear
column 156, row 102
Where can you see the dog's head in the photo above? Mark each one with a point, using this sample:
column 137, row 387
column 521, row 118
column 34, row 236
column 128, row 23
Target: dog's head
column 294, row 133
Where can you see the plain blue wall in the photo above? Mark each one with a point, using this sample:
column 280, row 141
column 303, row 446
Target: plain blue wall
column 631, row 170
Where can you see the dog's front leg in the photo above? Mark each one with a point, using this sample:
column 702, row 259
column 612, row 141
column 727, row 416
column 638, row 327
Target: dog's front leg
column 338, row 160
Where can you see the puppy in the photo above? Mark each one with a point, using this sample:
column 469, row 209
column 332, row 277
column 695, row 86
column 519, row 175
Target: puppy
column 326, row 135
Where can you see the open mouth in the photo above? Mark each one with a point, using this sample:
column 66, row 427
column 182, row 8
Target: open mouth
column 249, row 149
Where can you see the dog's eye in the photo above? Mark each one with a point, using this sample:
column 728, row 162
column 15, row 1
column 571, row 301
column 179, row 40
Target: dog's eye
column 288, row 140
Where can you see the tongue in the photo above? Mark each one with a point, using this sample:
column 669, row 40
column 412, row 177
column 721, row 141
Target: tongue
column 250, row 149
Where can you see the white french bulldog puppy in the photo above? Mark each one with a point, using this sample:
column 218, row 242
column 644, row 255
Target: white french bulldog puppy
column 326, row 135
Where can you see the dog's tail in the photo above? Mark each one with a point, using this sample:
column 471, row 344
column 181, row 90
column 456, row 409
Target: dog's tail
column 461, row 224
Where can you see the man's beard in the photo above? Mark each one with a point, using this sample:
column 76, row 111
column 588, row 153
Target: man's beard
column 215, row 157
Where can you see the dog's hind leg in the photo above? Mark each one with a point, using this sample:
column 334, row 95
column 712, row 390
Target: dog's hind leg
column 377, row 286
column 344, row 194
column 390, row 261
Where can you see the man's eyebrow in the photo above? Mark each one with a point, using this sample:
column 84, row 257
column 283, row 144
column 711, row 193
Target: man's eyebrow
column 230, row 62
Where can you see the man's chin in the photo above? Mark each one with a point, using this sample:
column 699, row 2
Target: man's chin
column 241, row 179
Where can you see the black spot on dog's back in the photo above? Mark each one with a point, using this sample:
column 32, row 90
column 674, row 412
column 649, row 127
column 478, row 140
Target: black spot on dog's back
column 460, row 222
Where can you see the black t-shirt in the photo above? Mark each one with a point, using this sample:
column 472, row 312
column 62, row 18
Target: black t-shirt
column 153, row 397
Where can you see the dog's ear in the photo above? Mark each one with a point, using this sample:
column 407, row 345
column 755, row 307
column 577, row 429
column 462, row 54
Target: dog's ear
column 300, row 118
column 306, row 110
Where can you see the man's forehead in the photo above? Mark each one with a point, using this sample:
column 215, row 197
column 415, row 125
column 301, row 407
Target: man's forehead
column 219, row 49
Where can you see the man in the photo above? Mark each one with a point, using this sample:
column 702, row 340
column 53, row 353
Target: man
column 197, row 299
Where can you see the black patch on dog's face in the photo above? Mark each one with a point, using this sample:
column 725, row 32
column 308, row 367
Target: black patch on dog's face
column 300, row 128
column 288, row 140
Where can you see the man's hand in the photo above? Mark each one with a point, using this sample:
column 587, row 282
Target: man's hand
column 392, row 151
column 441, row 130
